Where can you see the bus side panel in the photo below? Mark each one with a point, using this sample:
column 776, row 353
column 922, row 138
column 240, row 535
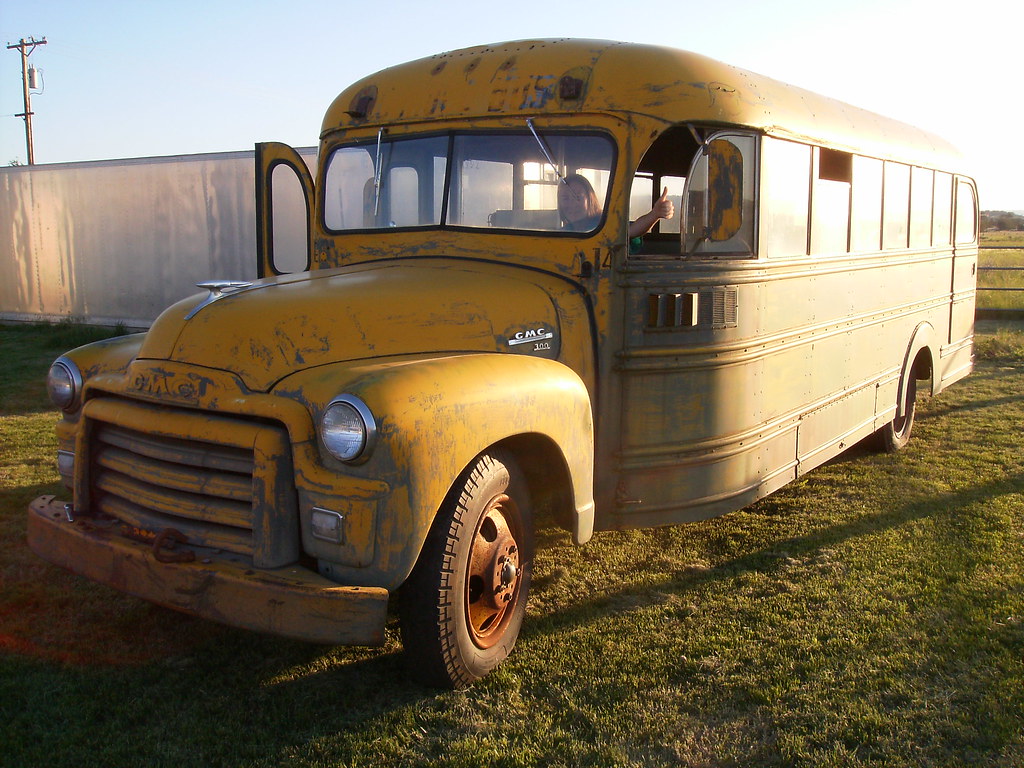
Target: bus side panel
column 723, row 411
column 691, row 447
column 827, row 431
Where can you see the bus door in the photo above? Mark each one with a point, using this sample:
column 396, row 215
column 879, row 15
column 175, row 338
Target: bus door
column 965, row 260
column 284, row 210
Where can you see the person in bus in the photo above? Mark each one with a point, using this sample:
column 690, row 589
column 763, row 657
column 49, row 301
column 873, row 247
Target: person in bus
column 578, row 206
column 580, row 211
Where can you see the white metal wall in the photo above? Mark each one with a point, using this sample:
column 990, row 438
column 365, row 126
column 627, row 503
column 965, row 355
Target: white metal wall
column 120, row 240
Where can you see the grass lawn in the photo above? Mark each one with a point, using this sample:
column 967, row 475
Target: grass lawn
column 869, row 614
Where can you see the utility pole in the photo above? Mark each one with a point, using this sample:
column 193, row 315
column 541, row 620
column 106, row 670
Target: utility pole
column 26, row 47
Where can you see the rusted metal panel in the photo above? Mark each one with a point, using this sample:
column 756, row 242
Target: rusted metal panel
column 227, row 482
column 389, row 301
column 290, row 601
column 529, row 76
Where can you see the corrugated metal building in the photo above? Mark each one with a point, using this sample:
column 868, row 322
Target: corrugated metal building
column 120, row 240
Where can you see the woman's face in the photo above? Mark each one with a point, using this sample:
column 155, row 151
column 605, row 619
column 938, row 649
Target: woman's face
column 572, row 202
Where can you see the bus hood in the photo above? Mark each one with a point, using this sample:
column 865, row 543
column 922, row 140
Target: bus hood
column 276, row 327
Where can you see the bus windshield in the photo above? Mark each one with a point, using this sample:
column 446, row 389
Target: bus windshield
column 507, row 180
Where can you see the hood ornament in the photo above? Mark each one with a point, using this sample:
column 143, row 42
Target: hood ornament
column 218, row 289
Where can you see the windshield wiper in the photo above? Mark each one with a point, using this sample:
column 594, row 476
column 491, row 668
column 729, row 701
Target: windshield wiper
column 547, row 152
column 376, row 176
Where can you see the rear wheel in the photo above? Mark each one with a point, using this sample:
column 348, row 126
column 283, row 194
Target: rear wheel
column 896, row 434
column 462, row 607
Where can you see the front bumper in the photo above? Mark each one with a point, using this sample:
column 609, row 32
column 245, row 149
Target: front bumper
column 291, row 601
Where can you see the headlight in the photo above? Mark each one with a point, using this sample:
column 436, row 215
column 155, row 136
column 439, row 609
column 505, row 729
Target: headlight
column 64, row 384
column 347, row 428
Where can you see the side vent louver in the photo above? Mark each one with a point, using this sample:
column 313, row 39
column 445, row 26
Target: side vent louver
column 713, row 308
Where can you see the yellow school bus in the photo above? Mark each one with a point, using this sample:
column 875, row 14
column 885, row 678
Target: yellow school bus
column 599, row 284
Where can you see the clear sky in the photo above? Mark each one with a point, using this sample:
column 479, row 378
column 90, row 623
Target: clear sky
column 136, row 78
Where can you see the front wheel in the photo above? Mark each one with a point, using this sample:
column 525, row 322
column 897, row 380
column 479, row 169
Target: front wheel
column 463, row 604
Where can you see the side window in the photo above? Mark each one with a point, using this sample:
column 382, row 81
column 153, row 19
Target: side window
column 966, row 214
column 540, row 187
column 646, row 191
column 785, row 185
column 718, row 207
column 866, row 205
column 922, row 185
column 895, row 205
column 942, row 215
column 830, row 202
column 285, row 192
column 725, row 190
column 675, row 186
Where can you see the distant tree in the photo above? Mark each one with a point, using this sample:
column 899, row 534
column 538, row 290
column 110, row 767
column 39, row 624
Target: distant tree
column 1002, row 220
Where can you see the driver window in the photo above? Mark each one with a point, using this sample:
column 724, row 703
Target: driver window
column 664, row 165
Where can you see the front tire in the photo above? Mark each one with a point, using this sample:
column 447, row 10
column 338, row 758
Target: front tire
column 463, row 605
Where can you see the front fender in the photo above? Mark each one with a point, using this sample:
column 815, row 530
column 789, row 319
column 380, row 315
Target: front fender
column 435, row 415
column 110, row 357
column 107, row 356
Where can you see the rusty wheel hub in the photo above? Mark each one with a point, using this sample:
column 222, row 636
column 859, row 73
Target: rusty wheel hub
column 492, row 584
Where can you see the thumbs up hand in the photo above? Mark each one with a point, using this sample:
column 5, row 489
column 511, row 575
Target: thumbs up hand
column 664, row 208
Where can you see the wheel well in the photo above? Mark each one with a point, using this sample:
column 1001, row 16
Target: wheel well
column 922, row 368
column 547, row 476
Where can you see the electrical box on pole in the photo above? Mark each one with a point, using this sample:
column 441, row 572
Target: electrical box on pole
column 28, row 78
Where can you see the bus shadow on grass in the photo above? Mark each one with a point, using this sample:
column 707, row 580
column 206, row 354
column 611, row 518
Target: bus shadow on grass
column 949, row 511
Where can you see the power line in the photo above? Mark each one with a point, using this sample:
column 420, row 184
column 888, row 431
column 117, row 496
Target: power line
column 26, row 47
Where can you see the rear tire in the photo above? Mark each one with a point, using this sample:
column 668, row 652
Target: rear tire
column 463, row 605
column 895, row 435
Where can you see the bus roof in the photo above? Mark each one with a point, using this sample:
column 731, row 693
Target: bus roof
column 537, row 77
